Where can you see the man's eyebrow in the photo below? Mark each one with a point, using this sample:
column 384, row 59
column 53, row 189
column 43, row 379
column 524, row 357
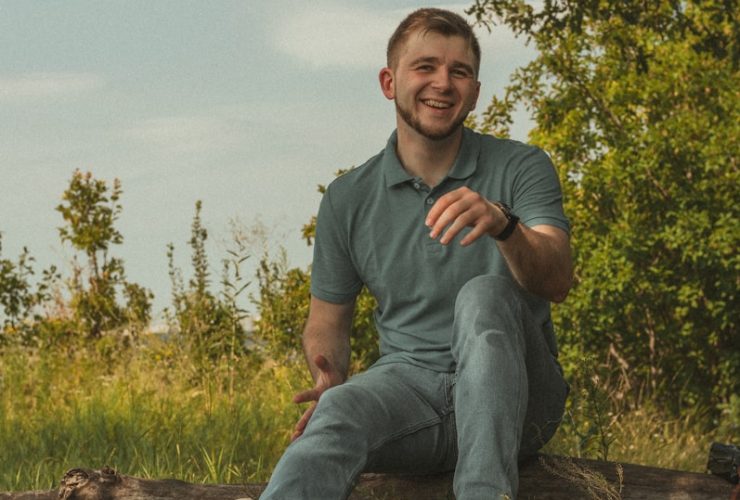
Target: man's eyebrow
column 427, row 59
column 434, row 60
column 466, row 67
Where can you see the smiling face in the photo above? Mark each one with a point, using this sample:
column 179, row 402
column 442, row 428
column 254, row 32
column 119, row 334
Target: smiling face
column 433, row 84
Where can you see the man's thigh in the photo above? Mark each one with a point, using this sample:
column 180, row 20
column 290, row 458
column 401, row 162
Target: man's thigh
column 404, row 413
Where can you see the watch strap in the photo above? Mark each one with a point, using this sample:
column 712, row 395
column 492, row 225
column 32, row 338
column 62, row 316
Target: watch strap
column 511, row 218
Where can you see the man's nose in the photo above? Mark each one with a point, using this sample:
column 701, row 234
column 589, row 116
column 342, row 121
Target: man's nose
column 442, row 80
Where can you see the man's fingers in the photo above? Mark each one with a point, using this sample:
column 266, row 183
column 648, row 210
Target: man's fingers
column 302, row 422
column 451, row 212
column 475, row 216
column 449, row 216
column 464, row 220
column 300, row 426
column 442, row 203
column 474, row 234
column 305, row 396
column 457, row 209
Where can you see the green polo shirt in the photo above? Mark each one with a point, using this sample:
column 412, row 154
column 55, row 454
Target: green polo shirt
column 370, row 231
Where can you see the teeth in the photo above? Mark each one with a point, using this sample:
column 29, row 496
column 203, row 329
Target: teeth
column 437, row 104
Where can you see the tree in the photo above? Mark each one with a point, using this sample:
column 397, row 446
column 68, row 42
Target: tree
column 637, row 103
column 90, row 210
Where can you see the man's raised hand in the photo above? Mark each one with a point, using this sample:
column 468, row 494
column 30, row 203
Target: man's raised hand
column 328, row 376
column 462, row 208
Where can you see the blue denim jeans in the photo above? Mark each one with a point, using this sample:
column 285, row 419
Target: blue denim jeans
column 504, row 400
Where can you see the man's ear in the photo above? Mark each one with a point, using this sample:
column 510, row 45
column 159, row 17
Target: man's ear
column 477, row 95
column 386, row 83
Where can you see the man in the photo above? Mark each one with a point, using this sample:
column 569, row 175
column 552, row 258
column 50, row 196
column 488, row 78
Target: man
column 462, row 240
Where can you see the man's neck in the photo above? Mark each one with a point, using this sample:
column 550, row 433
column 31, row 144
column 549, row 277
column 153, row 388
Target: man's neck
column 425, row 158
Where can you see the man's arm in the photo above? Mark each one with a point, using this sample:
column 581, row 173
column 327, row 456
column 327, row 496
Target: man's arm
column 540, row 260
column 539, row 257
column 326, row 346
column 327, row 333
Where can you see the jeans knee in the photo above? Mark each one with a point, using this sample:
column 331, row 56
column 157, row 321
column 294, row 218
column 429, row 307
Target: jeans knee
column 488, row 318
column 488, row 294
column 340, row 407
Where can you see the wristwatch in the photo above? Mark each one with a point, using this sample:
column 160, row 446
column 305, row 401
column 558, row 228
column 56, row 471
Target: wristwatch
column 512, row 221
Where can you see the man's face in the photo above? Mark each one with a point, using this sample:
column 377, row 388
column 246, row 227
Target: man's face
column 433, row 84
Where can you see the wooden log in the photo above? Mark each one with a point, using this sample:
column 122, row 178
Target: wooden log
column 561, row 478
column 107, row 484
column 541, row 478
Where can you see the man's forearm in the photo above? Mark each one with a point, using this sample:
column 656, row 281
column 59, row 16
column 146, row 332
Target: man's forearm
column 538, row 257
column 333, row 345
column 540, row 260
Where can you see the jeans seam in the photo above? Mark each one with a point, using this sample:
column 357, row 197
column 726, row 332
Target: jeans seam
column 521, row 361
column 449, row 383
column 352, row 482
column 404, row 432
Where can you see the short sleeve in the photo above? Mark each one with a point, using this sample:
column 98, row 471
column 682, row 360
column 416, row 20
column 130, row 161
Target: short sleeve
column 537, row 196
column 334, row 277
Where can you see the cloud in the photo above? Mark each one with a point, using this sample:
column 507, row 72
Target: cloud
column 328, row 34
column 183, row 135
column 47, row 85
column 325, row 34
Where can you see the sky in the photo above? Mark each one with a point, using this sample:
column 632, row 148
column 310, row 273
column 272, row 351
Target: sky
column 247, row 105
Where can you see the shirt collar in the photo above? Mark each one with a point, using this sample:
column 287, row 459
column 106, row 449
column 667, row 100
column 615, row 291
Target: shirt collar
column 465, row 164
column 394, row 171
column 467, row 159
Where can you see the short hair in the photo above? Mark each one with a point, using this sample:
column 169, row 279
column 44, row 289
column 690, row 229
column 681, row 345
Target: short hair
column 433, row 20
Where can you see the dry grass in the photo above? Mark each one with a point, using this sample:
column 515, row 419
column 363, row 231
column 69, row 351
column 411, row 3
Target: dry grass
column 587, row 480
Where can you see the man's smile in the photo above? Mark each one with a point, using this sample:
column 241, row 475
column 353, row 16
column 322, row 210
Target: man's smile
column 436, row 104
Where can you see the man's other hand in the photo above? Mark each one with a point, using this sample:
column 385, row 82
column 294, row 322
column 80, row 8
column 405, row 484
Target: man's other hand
column 328, row 377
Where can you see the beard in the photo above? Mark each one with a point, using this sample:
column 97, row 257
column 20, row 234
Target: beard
column 434, row 135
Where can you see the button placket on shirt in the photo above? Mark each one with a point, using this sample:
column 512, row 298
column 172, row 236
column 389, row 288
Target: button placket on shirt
column 420, row 186
column 425, row 191
column 433, row 247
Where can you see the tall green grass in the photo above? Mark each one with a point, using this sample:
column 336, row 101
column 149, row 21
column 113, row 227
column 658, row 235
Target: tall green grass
column 151, row 412
column 144, row 414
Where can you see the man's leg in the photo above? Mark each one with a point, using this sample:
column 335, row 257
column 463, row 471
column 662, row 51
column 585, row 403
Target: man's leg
column 503, row 363
column 394, row 417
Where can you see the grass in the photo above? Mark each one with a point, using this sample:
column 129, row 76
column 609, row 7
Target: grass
column 645, row 437
column 146, row 416
column 150, row 413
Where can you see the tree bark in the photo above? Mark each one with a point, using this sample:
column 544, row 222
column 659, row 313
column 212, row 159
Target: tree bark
column 541, row 478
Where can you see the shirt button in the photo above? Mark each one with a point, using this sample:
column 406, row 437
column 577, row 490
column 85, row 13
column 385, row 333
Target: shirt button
column 417, row 185
column 430, row 201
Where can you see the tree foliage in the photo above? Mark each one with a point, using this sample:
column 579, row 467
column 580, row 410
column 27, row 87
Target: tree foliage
column 20, row 298
column 209, row 326
column 283, row 304
column 90, row 210
column 99, row 299
column 637, row 103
